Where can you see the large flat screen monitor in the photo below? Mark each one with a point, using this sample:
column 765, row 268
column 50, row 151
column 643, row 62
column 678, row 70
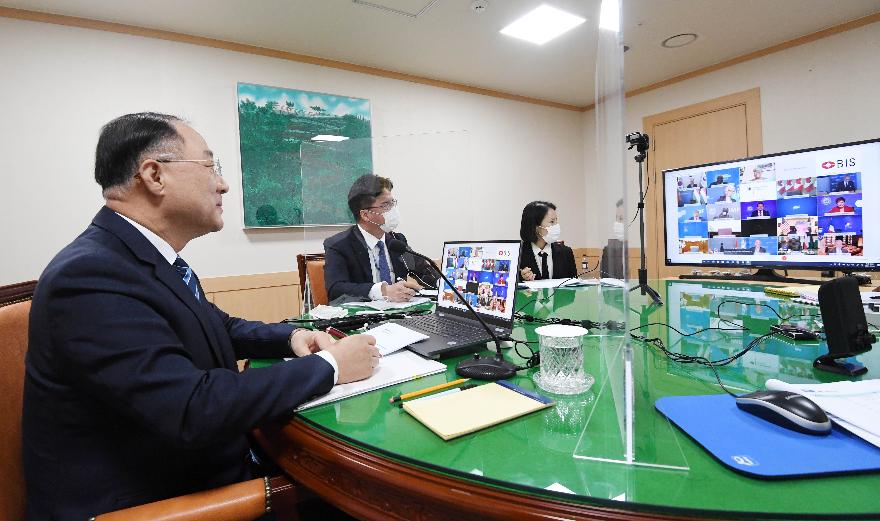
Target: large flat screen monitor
column 816, row 208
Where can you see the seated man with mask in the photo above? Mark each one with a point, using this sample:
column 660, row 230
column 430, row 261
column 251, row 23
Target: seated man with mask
column 357, row 261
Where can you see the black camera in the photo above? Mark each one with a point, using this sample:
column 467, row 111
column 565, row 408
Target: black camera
column 638, row 140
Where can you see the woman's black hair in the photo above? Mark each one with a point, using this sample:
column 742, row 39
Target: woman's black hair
column 532, row 215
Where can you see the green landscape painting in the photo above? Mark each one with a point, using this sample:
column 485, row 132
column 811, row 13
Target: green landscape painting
column 300, row 152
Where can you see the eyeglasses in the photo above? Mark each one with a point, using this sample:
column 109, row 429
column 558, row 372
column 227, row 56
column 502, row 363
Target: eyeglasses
column 385, row 206
column 213, row 164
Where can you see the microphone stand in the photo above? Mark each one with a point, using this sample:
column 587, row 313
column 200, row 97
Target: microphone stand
column 481, row 368
column 640, row 141
column 409, row 270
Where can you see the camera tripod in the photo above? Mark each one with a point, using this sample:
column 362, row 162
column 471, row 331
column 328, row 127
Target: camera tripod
column 641, row 143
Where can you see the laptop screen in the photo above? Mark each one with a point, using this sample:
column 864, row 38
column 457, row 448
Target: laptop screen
column 484, row 273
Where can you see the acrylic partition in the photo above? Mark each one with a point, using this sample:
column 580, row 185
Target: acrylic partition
column 621, row 426
column 434, row 179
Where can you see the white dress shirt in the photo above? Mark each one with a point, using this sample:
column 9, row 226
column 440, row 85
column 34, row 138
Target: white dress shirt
column 549, row 252
column 167, row 251
column 373, row 250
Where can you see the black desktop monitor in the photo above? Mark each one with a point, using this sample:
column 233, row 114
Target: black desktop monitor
column 817, row 208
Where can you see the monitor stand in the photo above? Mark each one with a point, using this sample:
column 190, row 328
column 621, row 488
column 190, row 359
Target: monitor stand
column 761, row 275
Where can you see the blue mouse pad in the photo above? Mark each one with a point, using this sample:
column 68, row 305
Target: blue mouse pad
column 761, row 449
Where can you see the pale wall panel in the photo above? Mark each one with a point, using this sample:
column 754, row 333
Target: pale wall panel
column 508, row 152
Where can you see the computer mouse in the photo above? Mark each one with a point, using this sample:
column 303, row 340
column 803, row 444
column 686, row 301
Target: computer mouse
column 787, row 409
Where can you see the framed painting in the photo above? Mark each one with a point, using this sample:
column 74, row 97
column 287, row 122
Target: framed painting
column 300, row 151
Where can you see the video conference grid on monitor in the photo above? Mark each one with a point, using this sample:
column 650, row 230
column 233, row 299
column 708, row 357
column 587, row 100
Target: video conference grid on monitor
column 793, row 208
column 483, row 274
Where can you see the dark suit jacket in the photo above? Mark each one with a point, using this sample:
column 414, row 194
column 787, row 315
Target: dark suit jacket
column 131, row 390
column 755, row 213
column 563, row 261
column 347, row 269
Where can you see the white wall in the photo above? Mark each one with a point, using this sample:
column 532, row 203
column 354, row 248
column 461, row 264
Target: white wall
column 475, row 160
column 820, row 93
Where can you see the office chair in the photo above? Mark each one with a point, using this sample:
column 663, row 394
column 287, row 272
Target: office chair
column 311, row 279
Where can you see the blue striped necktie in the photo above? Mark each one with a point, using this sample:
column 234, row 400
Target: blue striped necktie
column 187, row 274
column 382, row 261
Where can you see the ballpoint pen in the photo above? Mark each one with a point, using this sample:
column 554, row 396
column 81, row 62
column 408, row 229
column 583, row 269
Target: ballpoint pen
column 335, row 333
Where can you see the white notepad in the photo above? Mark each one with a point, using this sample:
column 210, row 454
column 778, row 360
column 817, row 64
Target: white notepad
column 391, row 337
column 394, row 369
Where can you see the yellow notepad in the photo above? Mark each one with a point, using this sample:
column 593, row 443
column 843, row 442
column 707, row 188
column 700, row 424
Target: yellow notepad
column 457, row 414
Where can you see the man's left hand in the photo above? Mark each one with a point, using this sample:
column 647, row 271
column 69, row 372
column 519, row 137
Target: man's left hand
column 304, row 342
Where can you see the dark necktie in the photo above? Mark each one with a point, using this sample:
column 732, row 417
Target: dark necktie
column 382, row 261
column 187, row 274
column 544, row 268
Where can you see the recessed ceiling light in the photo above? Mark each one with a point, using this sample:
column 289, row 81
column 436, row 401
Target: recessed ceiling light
column 679, row 40
column 326, row 137
column 542, row 24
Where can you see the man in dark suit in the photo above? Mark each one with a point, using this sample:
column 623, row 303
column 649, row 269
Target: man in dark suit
column 132, row 393
column 847, row 185
column 357, row 261
column 758, row 248
column 760, row 211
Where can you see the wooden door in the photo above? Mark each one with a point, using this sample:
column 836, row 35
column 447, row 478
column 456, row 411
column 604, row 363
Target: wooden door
column 716, row 130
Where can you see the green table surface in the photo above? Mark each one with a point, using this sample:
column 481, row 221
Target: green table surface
column 576, row 450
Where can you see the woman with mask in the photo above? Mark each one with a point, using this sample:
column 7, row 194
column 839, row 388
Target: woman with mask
column 541, row 256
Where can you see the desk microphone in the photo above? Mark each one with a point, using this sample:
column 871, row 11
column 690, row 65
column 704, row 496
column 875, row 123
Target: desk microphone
column 481, row 368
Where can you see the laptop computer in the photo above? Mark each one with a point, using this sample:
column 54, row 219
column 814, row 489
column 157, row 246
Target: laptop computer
column 484, row 272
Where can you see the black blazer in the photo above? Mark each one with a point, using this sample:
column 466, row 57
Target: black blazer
column 563, row 261
column 131, row 391
column 347, row 269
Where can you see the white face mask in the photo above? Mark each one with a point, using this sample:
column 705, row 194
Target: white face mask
column 554, row 232
column 392, row 219
column 618, row 230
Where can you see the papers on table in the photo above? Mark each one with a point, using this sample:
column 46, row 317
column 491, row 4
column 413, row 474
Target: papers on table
column 323, row 312
column 394, row 369
column 553, row 283
column 384, row 305
column 391, row 337
column 572, row 283
column 855, row 406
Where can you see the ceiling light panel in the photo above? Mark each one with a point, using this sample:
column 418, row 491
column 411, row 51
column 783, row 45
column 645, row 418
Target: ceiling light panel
column 543, row 24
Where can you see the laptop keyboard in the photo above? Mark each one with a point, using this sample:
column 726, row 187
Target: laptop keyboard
column 435, row 326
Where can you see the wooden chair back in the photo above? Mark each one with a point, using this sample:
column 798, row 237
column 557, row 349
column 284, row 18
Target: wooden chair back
column 315, row 279
column 15, row 306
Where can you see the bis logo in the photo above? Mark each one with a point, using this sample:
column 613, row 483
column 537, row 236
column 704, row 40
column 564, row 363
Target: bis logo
column 744, row 460
column 840, row 163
